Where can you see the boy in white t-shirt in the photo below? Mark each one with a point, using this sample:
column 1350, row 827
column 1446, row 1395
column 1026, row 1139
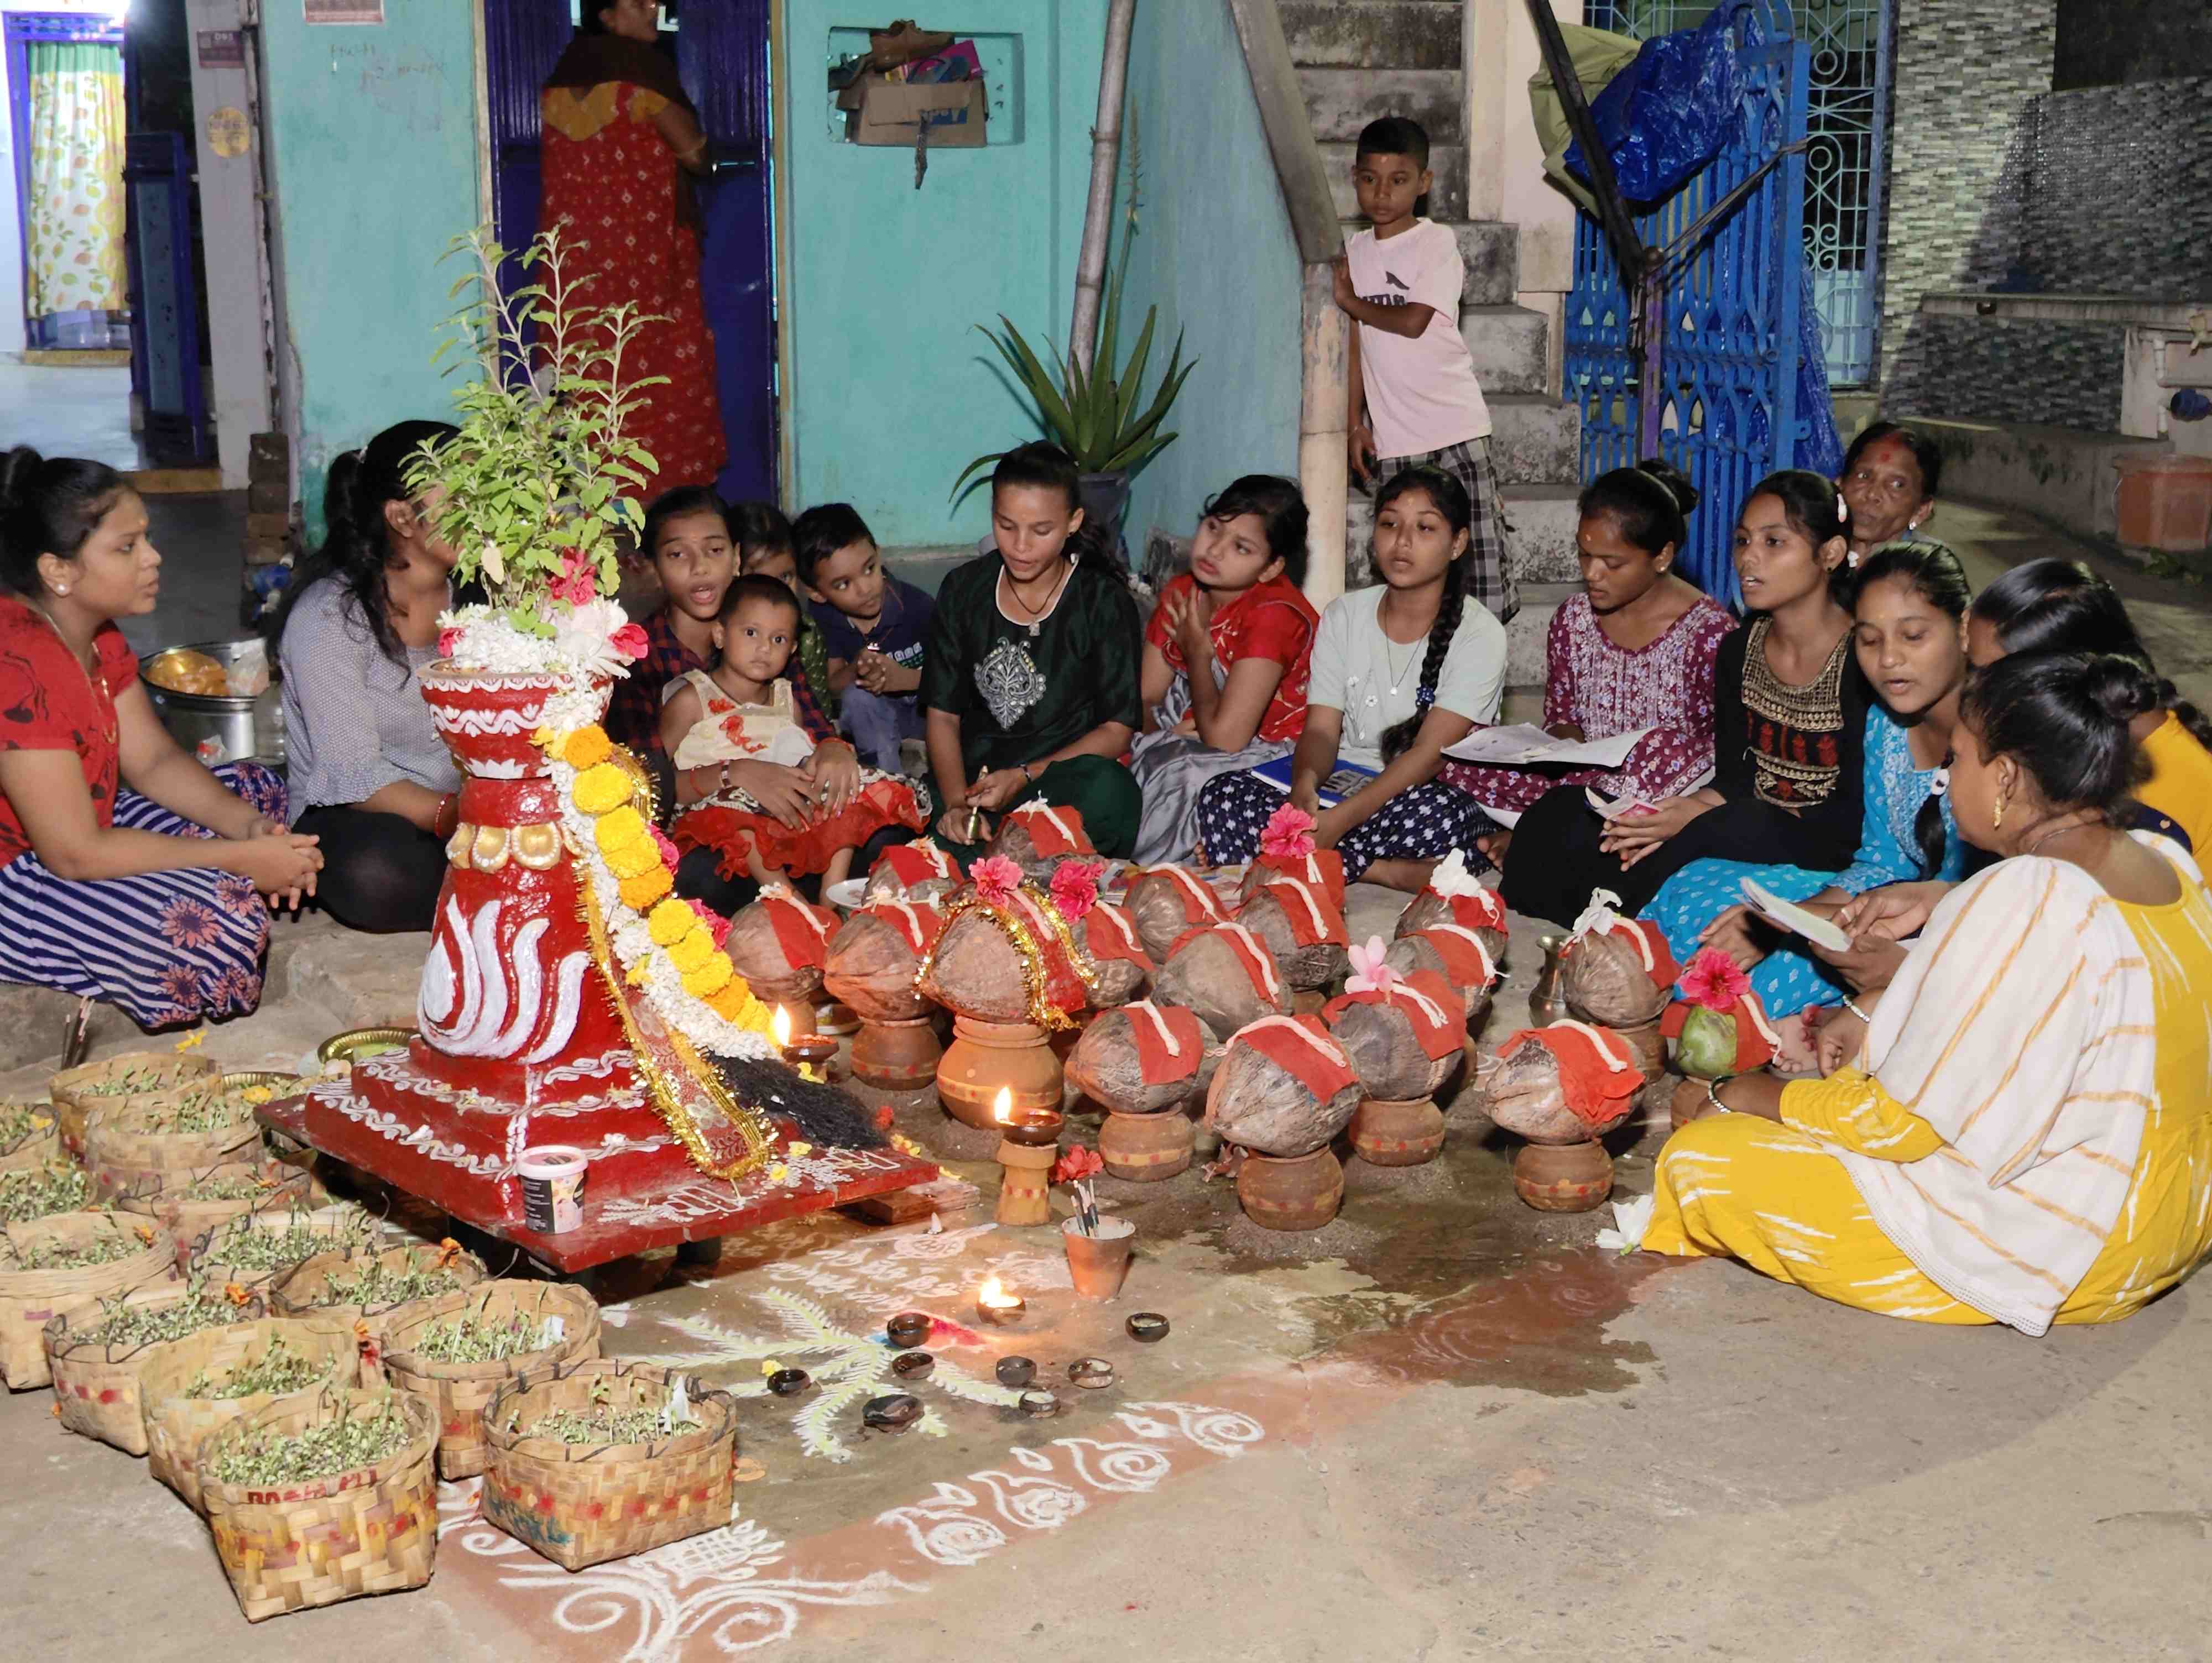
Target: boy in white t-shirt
column 1415, row 399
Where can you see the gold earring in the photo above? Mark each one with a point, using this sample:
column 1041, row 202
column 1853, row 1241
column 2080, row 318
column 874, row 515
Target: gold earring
column 1998, row 819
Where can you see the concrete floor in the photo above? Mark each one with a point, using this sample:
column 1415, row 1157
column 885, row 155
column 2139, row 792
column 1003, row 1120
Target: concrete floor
column 1443, row 1427
column 68, row 410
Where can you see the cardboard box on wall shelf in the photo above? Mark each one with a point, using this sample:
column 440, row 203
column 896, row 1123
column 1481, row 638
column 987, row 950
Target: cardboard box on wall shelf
column 893, row 114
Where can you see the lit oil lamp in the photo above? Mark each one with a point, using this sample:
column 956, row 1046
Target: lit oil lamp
column 1028, row 1142
column 804, row 1050
column 998, row 1307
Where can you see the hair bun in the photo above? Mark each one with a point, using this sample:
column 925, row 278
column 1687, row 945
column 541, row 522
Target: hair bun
column 2123, row 688
column 1673, row 480
column 17, row 468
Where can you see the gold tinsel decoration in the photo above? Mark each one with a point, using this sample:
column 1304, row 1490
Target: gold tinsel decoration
column 1043, row 1013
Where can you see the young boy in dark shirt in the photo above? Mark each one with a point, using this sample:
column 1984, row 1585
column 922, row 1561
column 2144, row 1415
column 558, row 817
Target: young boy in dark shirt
column 875, row 628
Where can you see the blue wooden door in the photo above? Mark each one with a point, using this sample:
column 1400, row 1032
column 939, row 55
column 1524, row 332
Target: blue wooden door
column 165, row 308
column 722, row 52
column 1733, row 323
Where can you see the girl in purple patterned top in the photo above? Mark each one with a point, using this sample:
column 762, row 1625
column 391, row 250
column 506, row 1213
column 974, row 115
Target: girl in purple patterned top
column 1635, row 649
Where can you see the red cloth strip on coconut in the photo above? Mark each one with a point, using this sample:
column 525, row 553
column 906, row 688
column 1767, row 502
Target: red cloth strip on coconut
column 1596, row 1069
column 1322, row 868
column 918, row 862
column 1201, row 905
column 1259, row 962
column 1757, row 1044
column 1170, row 1046
column 803, row 932
column 918, row 923
column 1052, row 831
column 1303, row 1048
column 1432, row 1005
column 1108, row 933
column 1466, row 959
column 1314, row 919
column 1064, row 988
column 1480, row 911
column 1650, row 943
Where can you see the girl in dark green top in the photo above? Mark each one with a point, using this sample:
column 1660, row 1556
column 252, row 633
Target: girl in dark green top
column 1029, row 685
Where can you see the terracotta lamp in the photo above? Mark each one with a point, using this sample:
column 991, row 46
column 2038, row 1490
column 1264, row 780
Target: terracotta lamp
column 811, row 1053
column 1029, row 1144
column 998, row 1306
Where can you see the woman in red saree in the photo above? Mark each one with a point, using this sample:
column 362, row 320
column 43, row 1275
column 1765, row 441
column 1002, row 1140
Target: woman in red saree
column 620, row 140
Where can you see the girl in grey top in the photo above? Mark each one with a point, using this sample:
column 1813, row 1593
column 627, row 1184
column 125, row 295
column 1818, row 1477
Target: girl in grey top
column 369, row 774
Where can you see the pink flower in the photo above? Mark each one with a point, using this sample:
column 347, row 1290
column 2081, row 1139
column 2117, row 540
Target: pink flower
column 717, row 926
column 579, row 582
column 1075, row 888
column 1714, row 981
column 669, row 854
column 996, row 878
column 1370, row 974
column 1288, row 834
column 448, row 640
column 629, row 642
column 1077, row 1163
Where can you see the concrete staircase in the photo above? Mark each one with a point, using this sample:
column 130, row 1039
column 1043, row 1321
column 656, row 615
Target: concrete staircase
column 1361, row 59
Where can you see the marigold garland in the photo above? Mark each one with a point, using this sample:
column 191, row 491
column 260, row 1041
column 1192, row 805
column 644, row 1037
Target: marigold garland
column 692, row 951
column 1043, row 1013
column 640, row 893
column 619, row 828
column 601, row 788
column 587, row 748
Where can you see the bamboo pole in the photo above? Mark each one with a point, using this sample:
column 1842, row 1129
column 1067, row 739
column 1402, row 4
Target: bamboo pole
column 1105, row 162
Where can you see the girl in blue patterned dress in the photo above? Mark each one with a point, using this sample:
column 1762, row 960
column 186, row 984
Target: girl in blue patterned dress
column 1909, row 631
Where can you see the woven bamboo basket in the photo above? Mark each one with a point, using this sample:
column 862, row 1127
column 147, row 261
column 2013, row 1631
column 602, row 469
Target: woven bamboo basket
column 176, row 1423
column 583, row 1504
column 345, row 1227
column 40, row 1146
column 30, row 1299
column 372, row 1530
column 96, row 1385
column 304, row 1292
column 286, row 1185
column 75, row 1092
column 460, row 1390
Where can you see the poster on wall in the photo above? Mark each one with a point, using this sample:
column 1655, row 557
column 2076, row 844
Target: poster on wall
column 344, row 11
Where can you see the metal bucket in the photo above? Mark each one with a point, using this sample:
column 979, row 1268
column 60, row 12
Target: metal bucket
column 219, row 727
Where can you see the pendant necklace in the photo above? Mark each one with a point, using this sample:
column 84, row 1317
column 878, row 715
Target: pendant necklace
column 1036, row 615
column 105, row 711
column 1389, row 663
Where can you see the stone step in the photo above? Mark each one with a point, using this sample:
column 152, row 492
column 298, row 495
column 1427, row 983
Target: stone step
column 1342, row 101
column 1507, row 344
column 1373, row 35
column 1490, row 252
column 1534, row 440
column 1524, row 635
column 1447, row 201
column 1543, row 518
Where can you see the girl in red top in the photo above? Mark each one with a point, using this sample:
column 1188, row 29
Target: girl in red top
column 128, row 872
column 1226, row 657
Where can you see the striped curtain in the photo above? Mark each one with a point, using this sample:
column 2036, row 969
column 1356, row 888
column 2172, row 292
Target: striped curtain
column 76, row 241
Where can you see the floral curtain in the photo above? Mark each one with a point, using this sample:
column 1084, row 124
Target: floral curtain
column 76, row 178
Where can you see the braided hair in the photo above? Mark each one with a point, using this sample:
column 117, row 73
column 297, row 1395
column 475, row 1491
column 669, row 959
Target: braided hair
column 1449, row 497
column 1931, row 571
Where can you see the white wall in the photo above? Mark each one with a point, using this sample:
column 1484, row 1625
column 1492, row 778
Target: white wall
column 231, row 242
column 11, row 222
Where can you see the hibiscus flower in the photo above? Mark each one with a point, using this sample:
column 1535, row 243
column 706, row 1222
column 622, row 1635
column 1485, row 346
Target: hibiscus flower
column 996, row 878
column 1713, row 980
column 578, row 582
column 1288, row 834
column 1075, row 888
column 1077, row 1163
column 629, row 642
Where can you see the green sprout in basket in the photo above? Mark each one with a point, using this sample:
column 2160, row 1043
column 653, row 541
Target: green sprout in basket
column 607, row 1423
column 276, row 1370
column 126, row 1327
column 340, row 1444
column 479, row 1338
column 21, row 1122
column 39, row 1192
column 378, row 1284
column 139, row 1077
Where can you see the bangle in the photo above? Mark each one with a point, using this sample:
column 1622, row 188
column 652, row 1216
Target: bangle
column 1852, row 1005
column 1028, row 779
column 1713, row 1093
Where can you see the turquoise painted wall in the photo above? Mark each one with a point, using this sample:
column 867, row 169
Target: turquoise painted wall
column 893, row 391
column 373, row 130
column 1214, row 251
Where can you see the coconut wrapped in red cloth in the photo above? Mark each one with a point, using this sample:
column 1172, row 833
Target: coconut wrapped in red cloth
column 779, row 944
column 874, row 957
column 1143, row 1058
column 1286, row 850
column 1456, row 895
column 1404, row 1035
column 913, row 872
column 1565, row 1084
column 1303, row 928
column 1037, row 837
column 1459, row 955
column 1006, row 954
column 1119, row 966
column 1719, row 1026
column 1167, row 902
column 1616, row 971
column 1285, row 1087
column 1226, row 974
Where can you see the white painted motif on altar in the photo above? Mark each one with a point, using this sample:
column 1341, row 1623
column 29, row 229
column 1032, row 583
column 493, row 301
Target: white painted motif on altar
column 825, row 1168
column 340, row 1095
column 507, row 722
column 396, row 1069
column 465, row 997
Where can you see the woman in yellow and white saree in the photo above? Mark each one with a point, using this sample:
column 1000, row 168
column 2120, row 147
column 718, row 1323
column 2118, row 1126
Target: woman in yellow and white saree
column 2025, row 1133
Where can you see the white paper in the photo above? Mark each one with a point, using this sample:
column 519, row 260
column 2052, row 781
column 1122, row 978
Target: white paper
column 1811, row 925
column 1524, row 745
column 1616, row 808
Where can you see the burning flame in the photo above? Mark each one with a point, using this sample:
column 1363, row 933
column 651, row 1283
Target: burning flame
column 1002, row 1111
column 991, row 1293
column 779, row 1027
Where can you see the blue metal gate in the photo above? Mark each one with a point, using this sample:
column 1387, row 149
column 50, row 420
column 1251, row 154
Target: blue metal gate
column 1730, row 325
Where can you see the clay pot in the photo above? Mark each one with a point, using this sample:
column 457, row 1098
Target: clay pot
column 897, row 1056
column 1097, row 1264
column 1025, row 1188
column 1291, row 1192
column 1144, row 1148
column 1387, row 1133
column 1308, row 1002
column 1563, row 1177
column 1649, row 1047
column 986, row 1055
